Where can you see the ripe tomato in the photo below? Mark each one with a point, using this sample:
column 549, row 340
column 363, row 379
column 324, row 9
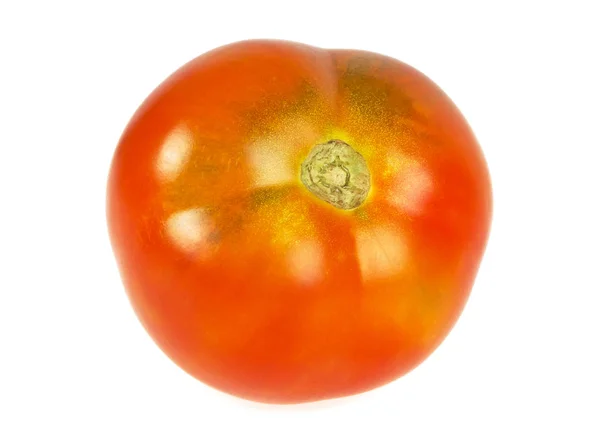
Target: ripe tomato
column 294, row 224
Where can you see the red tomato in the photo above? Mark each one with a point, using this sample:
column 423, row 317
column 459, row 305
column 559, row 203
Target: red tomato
column 294, row 224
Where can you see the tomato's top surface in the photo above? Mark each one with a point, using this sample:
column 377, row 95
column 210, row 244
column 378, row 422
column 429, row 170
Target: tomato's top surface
column 252, row 280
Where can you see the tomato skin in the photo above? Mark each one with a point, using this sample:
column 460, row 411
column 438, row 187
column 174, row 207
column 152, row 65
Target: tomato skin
column 248, row 281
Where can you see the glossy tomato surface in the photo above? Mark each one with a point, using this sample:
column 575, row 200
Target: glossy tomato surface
column 252, row 282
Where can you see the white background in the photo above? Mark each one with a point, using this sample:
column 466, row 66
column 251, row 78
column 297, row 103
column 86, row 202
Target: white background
column 524, row 356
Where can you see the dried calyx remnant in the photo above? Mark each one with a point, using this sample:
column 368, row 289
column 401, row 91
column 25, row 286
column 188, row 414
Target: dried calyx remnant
column 337, row 174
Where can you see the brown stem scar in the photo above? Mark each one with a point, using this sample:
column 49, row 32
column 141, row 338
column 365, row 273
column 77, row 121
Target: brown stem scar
column 336, row 173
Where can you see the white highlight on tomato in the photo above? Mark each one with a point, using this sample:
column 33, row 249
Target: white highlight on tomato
column 174, row 154
column 305, row 261
column 191, row 231
column 270, row 163
column 411, row 188
column 382, row 252
column 274, row 159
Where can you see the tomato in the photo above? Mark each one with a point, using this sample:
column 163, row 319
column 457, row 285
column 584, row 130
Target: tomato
column 294, row 224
